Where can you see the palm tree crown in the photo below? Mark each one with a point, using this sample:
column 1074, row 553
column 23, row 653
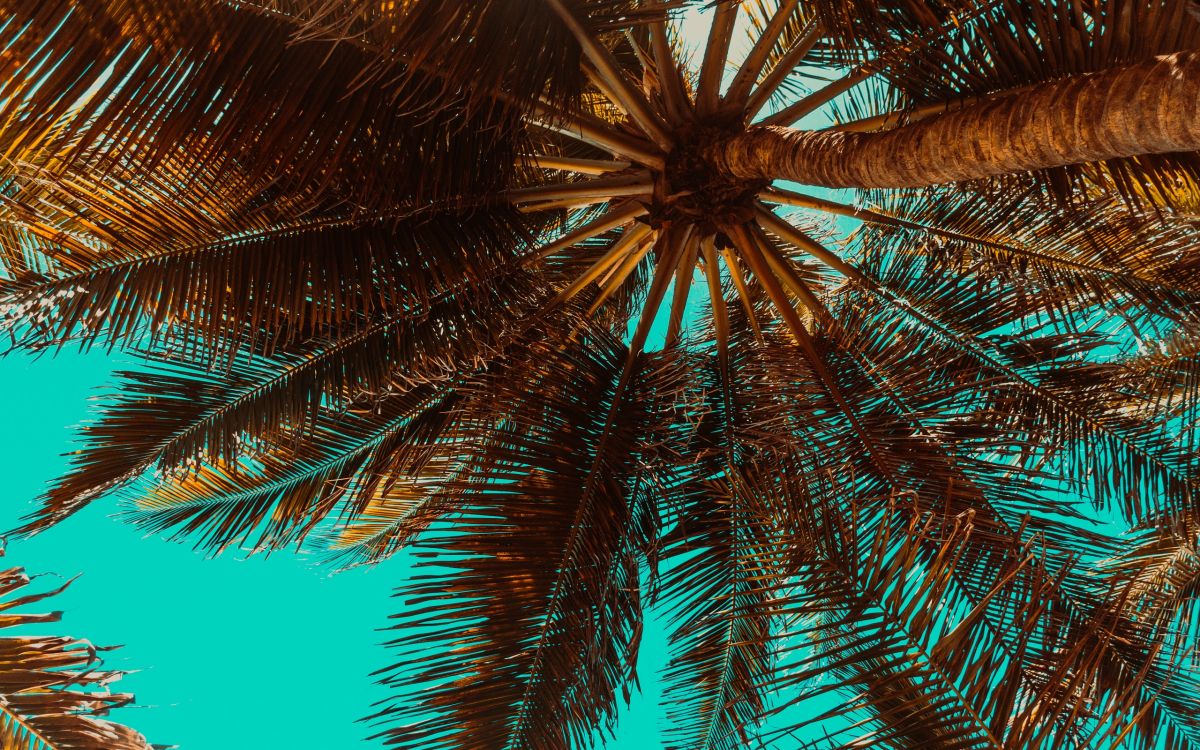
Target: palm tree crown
column 577, row 315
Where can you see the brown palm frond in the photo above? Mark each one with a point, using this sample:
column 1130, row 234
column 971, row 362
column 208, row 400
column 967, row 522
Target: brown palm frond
column 1100, row 254
column 995, row 534
column 547, row 544
column 1114, row 675
column 136, row 81
column 932, row 481
column 55, row 689
column 400, row 506
column 327, row 462
column 877, row 615
column 999, row 498
column 1095, row 254
column 1010, row 44
column 485, row 49
column 944, row 310
column 177, row 414
column 290, row 484
column 724, row 592
column 160, row 270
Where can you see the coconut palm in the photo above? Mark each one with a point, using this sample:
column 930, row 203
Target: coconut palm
column 859, row 342
column 55, row 690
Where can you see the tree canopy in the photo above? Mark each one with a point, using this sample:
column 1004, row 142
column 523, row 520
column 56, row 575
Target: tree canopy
column 861, row 340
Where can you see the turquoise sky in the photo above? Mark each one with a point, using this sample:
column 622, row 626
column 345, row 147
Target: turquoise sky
column 232, row 654
column 227, row 653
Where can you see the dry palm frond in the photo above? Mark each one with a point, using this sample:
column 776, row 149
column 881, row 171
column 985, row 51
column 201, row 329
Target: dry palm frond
column 55, row 690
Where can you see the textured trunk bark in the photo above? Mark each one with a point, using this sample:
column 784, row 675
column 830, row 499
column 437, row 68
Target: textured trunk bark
column 1147, row 108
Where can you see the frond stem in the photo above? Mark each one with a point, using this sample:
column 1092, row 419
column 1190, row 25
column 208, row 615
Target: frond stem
column 782, row 69
column 631, row 101
column 579, row 166
column 712, row 69
column 615, row 217
column 743, row 81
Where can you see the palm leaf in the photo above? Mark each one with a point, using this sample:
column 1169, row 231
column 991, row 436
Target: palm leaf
column 545, row 552
column 136, row 82
column 54, row 689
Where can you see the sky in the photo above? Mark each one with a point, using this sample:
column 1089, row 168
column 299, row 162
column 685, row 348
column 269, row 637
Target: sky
column 224, row 653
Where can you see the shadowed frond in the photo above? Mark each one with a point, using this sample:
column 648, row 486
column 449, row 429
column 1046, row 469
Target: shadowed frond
column 726, row 591
column 290, row 483
column 874, row 611
column 175, row 416
column 511, row 50
column 150, row 268
column 133, row 83
column 545, row 548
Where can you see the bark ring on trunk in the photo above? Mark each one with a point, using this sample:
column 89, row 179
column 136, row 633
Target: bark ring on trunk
column 1151, row 107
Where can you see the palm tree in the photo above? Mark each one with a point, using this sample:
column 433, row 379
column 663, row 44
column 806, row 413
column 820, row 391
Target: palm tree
column 54, row 691
column 529, row 288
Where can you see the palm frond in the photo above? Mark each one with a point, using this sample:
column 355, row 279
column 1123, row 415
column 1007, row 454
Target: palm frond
column 291, row 483
column 54, row 689
column 136, row 82
column 545, row 549
column 279, row 276
column 876, row 614
column 724, row 590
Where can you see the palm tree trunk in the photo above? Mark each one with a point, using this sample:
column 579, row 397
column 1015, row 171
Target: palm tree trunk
column 1147, row 108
